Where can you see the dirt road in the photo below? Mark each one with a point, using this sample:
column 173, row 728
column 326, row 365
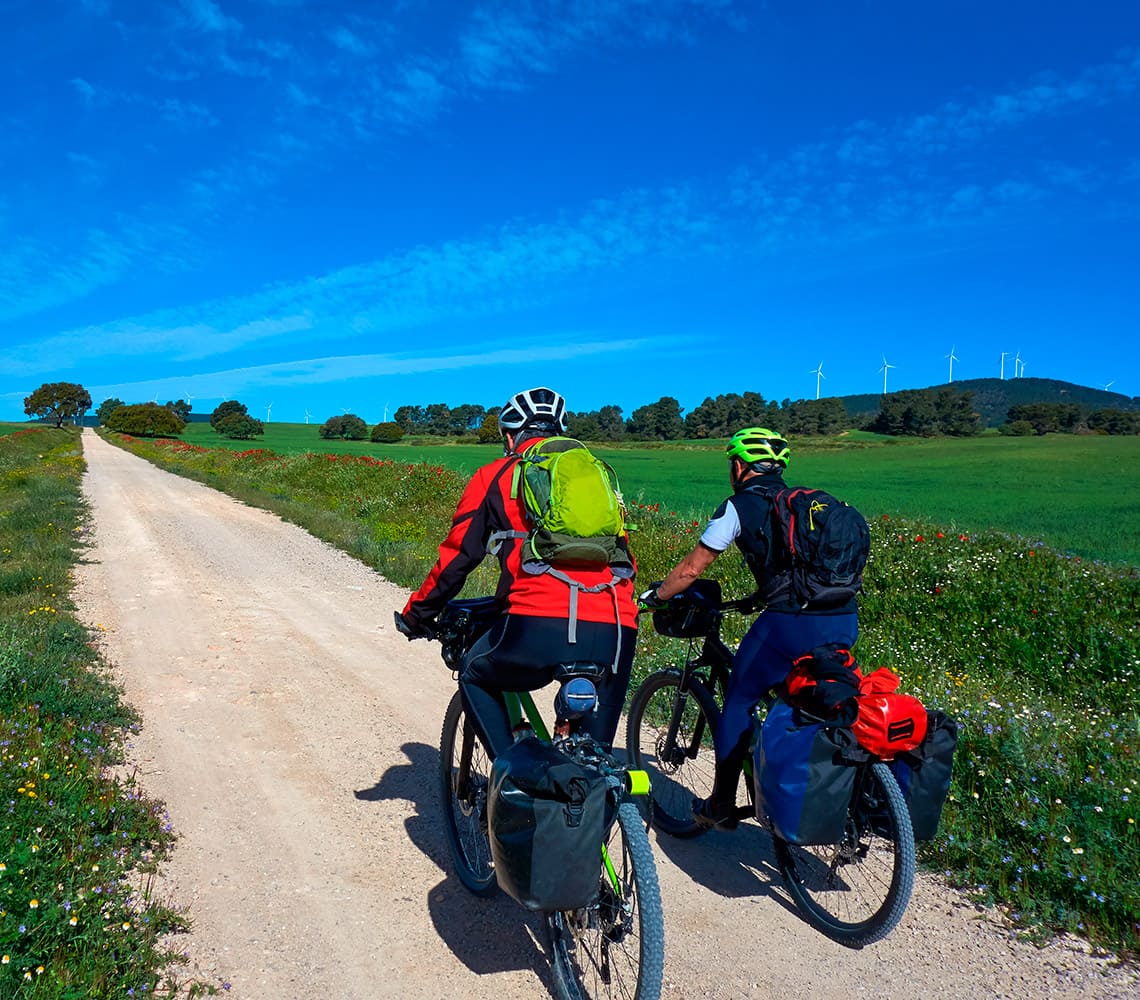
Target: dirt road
column 292, row 733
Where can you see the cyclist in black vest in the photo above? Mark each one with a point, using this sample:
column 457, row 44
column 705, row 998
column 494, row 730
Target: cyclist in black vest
column 783, row 631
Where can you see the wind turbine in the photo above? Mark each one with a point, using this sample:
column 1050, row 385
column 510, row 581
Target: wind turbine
column 307, row 415
column 952, row 356
column 1107, row 384
column 886, row 365
column 268, row 410
column 818, row 373
column 1018, row 364
column 1004, row 355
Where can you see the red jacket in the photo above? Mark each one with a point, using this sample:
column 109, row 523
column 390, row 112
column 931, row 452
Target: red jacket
column 486, row 508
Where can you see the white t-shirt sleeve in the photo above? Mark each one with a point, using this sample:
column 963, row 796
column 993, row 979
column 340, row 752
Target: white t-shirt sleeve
column 723, row 528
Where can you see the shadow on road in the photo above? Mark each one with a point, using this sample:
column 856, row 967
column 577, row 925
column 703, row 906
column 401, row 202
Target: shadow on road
column 486, row 935
column 732, row 864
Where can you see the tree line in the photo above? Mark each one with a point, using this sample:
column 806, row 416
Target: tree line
column 944, row 411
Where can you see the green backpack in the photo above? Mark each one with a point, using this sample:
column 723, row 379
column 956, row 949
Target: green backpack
column 575, row 506
column 577, row 520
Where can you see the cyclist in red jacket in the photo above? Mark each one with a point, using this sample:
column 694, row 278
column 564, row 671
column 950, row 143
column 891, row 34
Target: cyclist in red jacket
column 539, row 628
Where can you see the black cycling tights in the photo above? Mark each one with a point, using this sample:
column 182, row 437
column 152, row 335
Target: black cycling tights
column 522, row 652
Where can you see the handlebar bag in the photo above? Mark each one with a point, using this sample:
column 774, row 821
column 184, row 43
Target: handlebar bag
column 924, row 774
column 806, row 776
column 546, row 818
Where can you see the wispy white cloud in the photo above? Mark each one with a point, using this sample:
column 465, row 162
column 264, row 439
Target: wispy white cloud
column 87, row 93
column 350, row 42
column 344, row 368
column 208, row 16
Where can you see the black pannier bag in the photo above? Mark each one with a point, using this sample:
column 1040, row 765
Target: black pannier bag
column 546, row 819
column 806, row 774
column 924, row 774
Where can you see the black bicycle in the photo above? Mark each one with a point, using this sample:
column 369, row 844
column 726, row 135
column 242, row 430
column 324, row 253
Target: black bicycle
column 614, row 947
column 854, row 891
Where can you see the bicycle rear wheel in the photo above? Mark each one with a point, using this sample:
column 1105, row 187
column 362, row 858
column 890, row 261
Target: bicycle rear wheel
column 669, row 733
column 464, row 779
column 855, row 892
column 615, row 948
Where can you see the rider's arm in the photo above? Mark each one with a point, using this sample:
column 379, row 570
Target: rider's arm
column 686, row 571
column 721, row 532
column 463, row 548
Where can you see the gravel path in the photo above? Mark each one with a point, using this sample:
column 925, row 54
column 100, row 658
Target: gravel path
column 293, row 733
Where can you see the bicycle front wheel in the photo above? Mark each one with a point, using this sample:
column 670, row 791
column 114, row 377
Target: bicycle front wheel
column 669, row 733
column 464, row 780
column 855, row 892
column 615, row 948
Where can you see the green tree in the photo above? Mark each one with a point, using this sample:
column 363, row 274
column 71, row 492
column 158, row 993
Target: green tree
column 489, row 427
column 106, row 408
column 354, row 428
column 332, row 428
column 145, row 420
column 411, row 418
column 438, row 418
column 660, row 421
column 58, row 401
column 350, row 427
column 223, row 410
column 180, row 407
column 467, row 417
column 387, row 432
column 239, row 426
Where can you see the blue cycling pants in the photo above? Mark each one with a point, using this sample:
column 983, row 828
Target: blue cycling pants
column 763, row 660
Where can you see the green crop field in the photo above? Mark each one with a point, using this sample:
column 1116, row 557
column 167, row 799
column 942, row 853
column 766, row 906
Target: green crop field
column 1075, row 493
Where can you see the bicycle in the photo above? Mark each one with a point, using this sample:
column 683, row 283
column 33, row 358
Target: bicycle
column 855, row 891
column 614, row 947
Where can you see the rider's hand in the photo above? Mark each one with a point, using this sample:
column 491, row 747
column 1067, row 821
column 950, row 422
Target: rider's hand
column 649, row 599
column 411, row 630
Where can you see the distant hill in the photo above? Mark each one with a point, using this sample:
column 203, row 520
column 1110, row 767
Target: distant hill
column 994, row 396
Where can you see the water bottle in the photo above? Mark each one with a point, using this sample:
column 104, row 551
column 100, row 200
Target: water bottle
column 576, row 697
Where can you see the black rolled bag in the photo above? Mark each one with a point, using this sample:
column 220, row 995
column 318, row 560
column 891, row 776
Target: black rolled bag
column 806, row 774
column 924, row 774
column 546, row 819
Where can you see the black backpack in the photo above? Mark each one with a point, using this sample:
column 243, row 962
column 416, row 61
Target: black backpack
column 826, row 541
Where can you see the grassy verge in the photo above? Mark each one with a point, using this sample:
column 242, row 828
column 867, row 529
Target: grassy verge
column 79, row 845
column 1036, row 653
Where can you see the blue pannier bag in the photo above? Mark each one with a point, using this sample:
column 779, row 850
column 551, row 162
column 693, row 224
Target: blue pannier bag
column 924, row 774
column 806, row 776
column 546, row 820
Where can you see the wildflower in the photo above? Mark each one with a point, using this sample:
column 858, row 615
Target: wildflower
column 73, row 921
column 5, row 960
column 34, row 904
column 126, row 925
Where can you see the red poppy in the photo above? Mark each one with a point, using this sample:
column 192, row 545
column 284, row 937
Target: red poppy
column 919, row 538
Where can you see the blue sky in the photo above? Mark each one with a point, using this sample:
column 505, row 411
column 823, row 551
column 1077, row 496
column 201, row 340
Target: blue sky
column 329, row 206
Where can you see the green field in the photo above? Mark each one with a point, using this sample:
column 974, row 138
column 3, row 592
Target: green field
column 1075, row 493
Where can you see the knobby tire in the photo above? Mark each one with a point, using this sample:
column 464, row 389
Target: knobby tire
column 616, row 948
column 855, row 893
column 680, row 769
column 465, row 811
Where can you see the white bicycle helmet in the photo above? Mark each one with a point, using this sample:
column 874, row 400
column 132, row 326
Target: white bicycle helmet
column 533, row 407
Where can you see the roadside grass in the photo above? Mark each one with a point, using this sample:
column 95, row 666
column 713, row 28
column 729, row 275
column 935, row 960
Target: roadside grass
column 81, row 840
column 1035, row 653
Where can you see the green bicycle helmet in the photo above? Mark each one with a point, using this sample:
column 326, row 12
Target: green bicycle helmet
column 758, row 444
